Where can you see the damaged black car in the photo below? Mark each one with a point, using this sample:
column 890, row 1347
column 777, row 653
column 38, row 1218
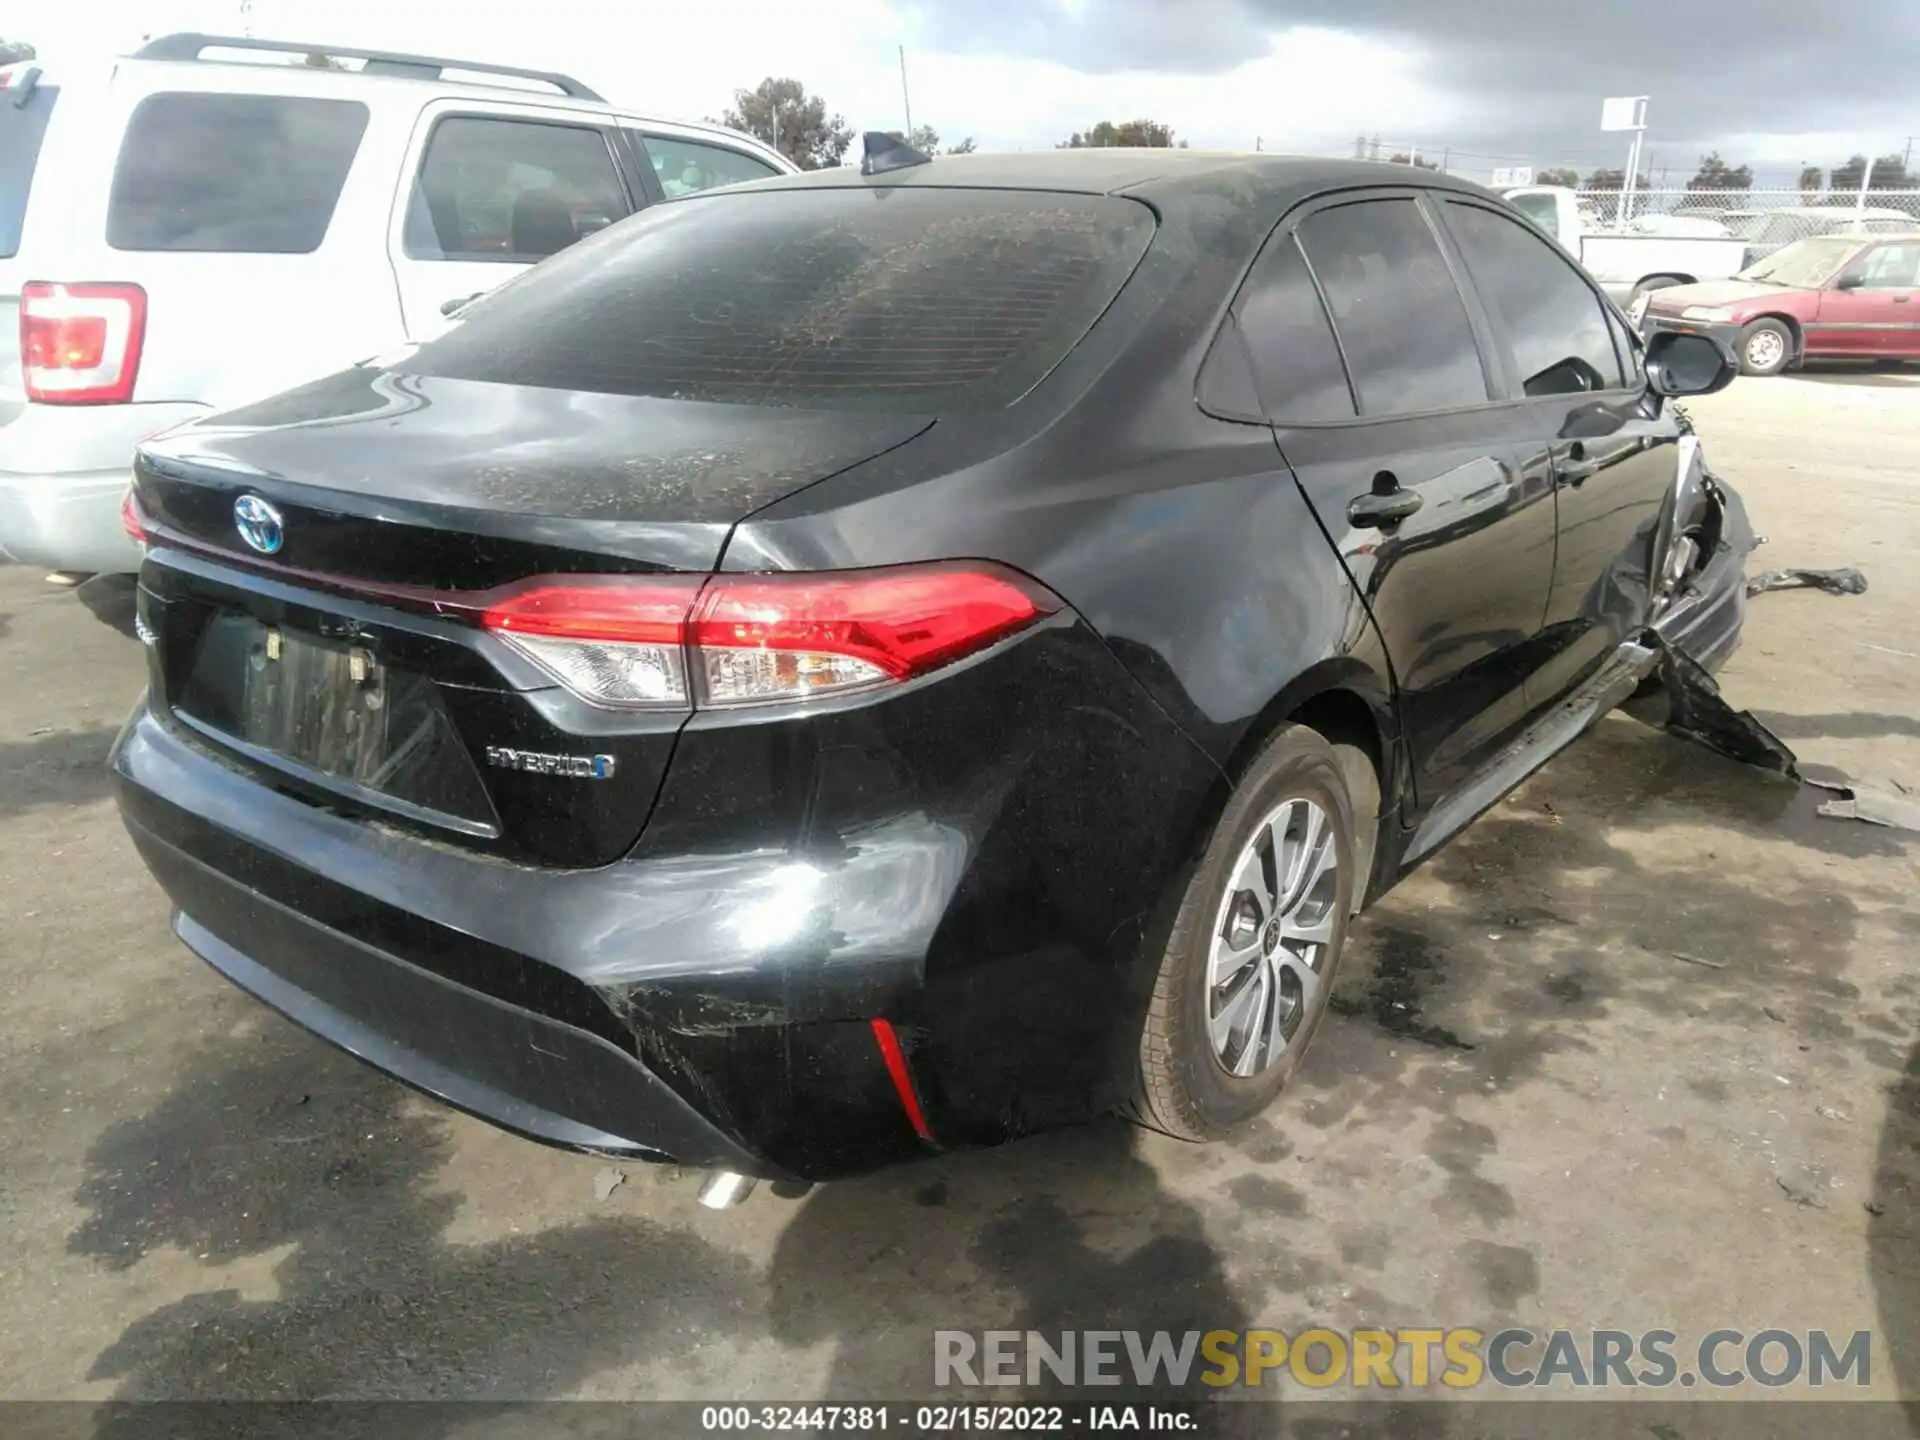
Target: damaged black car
column 861, row 664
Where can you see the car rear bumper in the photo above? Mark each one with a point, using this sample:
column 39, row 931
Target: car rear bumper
column 518, row 1069
column 507, row 1021
column 64, row 470
column 67, row 522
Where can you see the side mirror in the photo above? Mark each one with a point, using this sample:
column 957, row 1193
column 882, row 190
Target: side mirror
column 1852, row 280
column 1679, row 364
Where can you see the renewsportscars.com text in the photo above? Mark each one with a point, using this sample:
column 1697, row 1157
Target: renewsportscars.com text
column 1406, row 1358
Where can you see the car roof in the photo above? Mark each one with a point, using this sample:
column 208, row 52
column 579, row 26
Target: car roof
column 1160, row 176
column 209, row 57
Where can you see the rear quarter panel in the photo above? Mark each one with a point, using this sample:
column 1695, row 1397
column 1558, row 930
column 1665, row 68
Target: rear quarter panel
column 1183, row 539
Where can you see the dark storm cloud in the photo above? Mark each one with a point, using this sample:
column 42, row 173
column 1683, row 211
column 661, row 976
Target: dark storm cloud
column 1535, row 72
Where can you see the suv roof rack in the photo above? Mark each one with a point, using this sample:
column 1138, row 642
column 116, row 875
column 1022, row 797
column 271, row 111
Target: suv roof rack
column 189, row 45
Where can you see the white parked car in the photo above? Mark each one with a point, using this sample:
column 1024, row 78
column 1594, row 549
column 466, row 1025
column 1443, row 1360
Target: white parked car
column 214, row 219
column 1629, row 263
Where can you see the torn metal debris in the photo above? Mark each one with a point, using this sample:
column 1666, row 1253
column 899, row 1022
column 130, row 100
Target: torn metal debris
column 1696, row 710
column 1892, row 804
column 1835, row 582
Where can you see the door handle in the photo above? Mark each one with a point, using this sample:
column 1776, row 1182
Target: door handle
column 1386, row 506
column 1575, row 470
column 1901, row 299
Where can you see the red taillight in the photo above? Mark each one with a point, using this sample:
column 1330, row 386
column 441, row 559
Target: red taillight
column 670, row 641
column 613, row 640
column 131, row 520
column 759, row 638
column 80, row 344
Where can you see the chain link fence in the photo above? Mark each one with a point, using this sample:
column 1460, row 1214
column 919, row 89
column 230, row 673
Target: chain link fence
column 1766, row 219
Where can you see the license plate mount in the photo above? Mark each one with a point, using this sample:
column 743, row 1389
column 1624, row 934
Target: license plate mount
column 317, row 702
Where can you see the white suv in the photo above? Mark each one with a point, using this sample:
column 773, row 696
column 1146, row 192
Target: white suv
column 217, row 219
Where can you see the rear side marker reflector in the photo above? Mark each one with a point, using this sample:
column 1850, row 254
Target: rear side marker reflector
column 130, row 518
column 896, row 1062
column 671, row 641
column 81, row 344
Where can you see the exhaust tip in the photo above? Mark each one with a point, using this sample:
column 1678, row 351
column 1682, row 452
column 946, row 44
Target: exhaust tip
column 723, row 1189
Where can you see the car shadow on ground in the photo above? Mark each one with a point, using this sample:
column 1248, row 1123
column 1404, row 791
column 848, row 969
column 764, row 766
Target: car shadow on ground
column 1858, row 725
column 58, row 768
column 111, row 600
column 274, row 1146
column 274, row 1150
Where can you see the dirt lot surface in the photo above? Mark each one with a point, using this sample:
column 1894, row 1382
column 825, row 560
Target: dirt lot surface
column 1637, row 1051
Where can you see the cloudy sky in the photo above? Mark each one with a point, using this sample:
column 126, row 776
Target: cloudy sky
column 1773, row 82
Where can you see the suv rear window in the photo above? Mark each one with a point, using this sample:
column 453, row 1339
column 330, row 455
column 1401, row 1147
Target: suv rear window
column 22, row 127
column 902, row 298
column 258, row 174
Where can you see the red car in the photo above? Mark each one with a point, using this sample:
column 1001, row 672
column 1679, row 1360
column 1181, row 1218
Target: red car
column 1845, row 296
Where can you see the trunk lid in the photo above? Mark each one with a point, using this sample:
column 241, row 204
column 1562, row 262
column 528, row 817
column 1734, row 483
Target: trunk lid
column 345, row 664
column 463, row 484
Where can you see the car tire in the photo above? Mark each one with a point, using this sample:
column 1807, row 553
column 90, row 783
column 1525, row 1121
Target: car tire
column 1772, row 341
column 1187, row 1087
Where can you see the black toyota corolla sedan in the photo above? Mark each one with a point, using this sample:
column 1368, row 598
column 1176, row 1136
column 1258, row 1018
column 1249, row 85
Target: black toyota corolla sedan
column 857, row 665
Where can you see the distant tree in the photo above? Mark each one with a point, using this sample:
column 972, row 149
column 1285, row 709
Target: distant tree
column 1811, row 177
column 1849, row 175
column 782, row 113
column 1403, row 158
column 926, row 140
column 1148, row 133
column 1890, row 173
column 13, row 50
column 1568, row 177
column 316, row 61
column 1715, row 174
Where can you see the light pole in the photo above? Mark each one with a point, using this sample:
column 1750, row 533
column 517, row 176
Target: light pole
column 906, row 100
column 1627, row 112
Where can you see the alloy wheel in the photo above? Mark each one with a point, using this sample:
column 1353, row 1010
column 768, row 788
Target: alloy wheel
column 1271, row 937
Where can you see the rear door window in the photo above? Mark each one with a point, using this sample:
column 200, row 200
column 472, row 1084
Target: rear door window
column 514, row 191
column 1402, row 324
column 23, row 125
column 1552, row 319
column 895, row 299
column 258, row 174
column 686, row 167
column 1295, row 359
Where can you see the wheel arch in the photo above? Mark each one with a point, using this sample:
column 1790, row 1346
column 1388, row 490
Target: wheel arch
column 1351, row 707
column 1796, row 332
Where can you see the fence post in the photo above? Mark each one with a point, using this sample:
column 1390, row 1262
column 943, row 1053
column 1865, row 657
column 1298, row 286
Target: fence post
column 1860, row 206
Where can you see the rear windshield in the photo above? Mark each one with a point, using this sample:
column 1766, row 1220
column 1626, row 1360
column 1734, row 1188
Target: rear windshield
column 898, row 298
column 23, row 125
column 232, row 173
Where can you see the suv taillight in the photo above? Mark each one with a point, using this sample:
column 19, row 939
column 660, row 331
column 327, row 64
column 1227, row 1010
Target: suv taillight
column 80, row 344
column 671, row 641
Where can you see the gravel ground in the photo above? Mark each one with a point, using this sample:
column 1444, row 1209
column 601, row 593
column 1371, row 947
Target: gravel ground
column 1636, row 1051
